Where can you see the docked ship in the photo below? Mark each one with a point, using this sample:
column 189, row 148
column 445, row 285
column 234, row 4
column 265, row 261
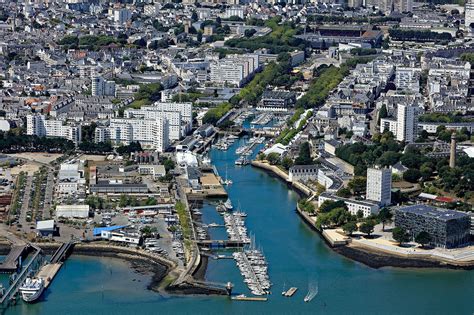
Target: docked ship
column 32, row 289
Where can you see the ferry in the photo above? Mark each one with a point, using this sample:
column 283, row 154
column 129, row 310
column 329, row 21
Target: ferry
column 32, row 289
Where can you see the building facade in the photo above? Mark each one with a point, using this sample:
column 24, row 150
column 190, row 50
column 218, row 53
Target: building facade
column 447, row 228
column 379, row 185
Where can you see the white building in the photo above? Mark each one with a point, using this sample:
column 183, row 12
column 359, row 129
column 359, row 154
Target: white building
column 406, row 124
column 101, row 87
column 121, row 237
column 157, row 171
column 354, row 206
column 469, row 13
column 303, row 173
column 122, row 16
column 72, row 211
column 39, row 126
column 379, row 185
column 151, row 133
column 234, row 69
column 179, row 116
column 407, row 78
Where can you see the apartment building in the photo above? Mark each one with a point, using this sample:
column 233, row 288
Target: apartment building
column 39, row 126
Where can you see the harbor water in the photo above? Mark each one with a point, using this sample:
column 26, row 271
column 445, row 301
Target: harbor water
column 296, row 256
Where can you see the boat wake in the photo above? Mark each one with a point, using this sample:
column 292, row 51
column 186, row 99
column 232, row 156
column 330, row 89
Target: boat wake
column 312, row 292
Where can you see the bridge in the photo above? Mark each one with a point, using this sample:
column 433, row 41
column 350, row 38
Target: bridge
column 13, row 260
column 62, row 252
column 222, row 243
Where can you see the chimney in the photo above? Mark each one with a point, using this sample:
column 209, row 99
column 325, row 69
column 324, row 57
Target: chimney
column 452, row 156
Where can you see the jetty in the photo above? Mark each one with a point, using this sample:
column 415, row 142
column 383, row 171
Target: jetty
column 221, row 243
column 249, row 298
column 48, row 271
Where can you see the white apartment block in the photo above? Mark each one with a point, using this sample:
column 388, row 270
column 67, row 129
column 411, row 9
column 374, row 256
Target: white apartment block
column 39, row 126
column 151, row 133
column 101, row 87
column 175, row 129
column 234, row 69
column 379, row 185
column 122, row 16
column 406, row 124
column 407, row 78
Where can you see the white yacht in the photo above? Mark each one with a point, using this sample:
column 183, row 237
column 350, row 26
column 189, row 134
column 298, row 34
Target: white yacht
column 32, row 289
column 228, row 205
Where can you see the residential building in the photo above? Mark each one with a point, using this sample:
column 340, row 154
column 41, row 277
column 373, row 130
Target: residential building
column 379, row 185
column 151, row 133
column 101, row 87
column 277, row 101
column 38, row 125
column 447, row 228
column 469, row 13
column 406, row 123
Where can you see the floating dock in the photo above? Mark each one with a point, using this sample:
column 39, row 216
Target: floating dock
column 291, row 291
column 249, row 298
column 47, row 273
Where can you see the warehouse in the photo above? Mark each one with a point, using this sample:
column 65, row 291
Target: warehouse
column 72, row 211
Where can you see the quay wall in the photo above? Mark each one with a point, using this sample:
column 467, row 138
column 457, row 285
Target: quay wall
column 367, row 255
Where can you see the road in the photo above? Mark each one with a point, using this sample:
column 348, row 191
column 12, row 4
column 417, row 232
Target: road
column 25, row 206
column 48, row 195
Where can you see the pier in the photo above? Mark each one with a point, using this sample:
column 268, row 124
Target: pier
column 34, row 262
column 13, row 260
column 221, row 243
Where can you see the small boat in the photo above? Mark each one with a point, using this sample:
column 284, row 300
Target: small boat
column 32, row 289
column 312, row 292
column 228, row 205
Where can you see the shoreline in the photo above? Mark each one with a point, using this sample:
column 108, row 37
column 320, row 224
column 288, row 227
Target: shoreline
column 369, row 257
column 162, row 271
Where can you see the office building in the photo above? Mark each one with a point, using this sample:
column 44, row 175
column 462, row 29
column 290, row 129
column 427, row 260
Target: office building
column 447, row 228
column 379, row 185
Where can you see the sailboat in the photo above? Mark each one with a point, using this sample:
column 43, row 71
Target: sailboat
column 227, row 181
column 313, row 290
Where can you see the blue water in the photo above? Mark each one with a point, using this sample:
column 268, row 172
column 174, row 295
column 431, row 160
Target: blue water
column 295, row 253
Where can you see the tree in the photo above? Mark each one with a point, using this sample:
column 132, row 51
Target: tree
column 329, row 205
column 367, row 227
column 273, row 158
column 350, row 227
column 400, row 235
column 304, row 156
column 168, row 164
column 385, row 216
column 287, row 163
column 382, row 113
column 344, row 192
column 358, row 185
column 194, row 16
column 412, row 175
column 423, row 238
